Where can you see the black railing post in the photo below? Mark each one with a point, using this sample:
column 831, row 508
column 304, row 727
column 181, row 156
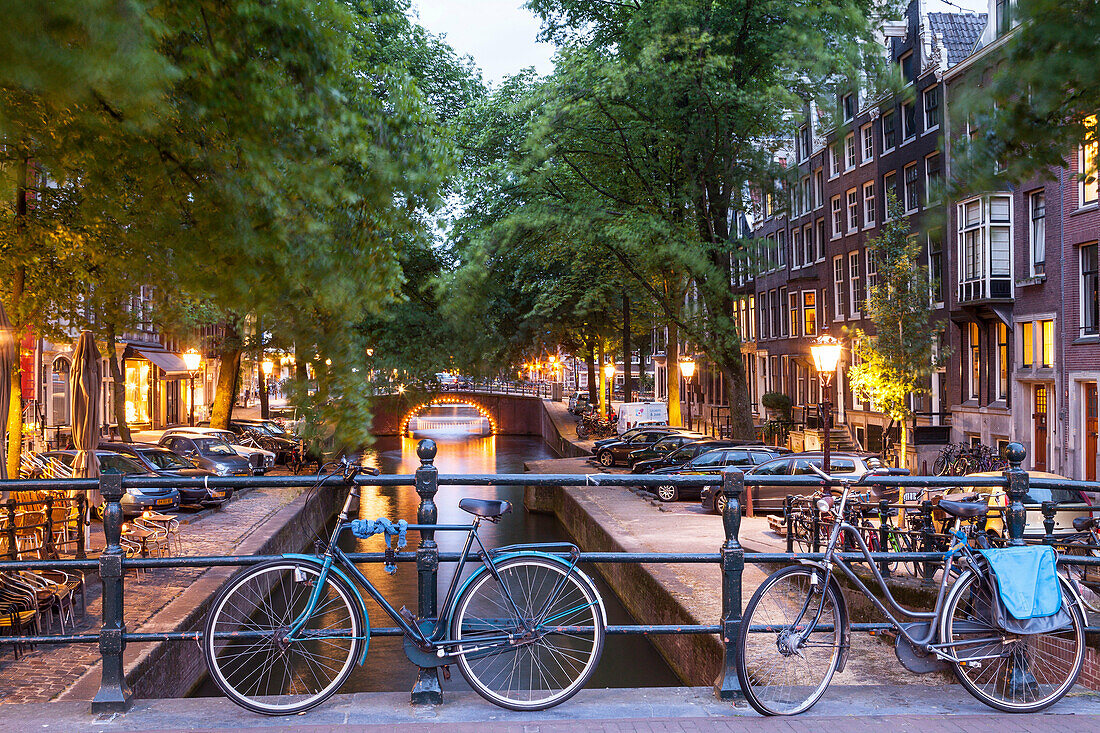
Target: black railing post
column 927, row 532
column 1049, row 509
column 788, row 516
column 816, row 525
column 427, row 690
column 113, row 695
column 1016, row 480
column 727, row 686
column 13, row 546
column 81, row 524
column 884, row 535
column 51, row 551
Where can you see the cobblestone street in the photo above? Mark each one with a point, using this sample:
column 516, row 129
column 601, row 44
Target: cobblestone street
column 48, row 670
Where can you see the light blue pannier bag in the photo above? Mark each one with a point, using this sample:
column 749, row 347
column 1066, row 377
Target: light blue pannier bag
column 1028, row 597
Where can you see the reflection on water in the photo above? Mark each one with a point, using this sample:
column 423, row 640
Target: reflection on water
column 626, row 662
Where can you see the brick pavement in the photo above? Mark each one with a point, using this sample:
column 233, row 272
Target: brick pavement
column 48, row 670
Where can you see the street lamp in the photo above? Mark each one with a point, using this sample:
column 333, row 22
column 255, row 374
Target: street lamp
column 609, row 375
column 192, row 360
column 826, row 353
column 687, row 369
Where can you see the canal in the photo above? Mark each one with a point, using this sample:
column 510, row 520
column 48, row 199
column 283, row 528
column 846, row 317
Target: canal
column 628, row 661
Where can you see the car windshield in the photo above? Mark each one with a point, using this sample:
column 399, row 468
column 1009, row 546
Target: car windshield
column 274, row 428
column 685, row 453
column 112, row 463
column 164, row 459
column 710, row 458
column 214, row 447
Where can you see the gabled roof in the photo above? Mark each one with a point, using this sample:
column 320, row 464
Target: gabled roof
column 959, row 33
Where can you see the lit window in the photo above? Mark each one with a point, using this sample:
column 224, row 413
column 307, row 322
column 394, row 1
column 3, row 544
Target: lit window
column 809, row 312
column 974, row 348
column 792, row 302
column 1027, row 339
column 1087, row 160
column 1002, row 361
column 1048, row 342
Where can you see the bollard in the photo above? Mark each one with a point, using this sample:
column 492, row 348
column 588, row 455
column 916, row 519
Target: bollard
column 928, row 533
column 13, row 546
column 427, row 690
column 788, row 518
column 1016, row 480
column 727, row 686
column 113, row 695
column 1049, row 508
column 884, row 535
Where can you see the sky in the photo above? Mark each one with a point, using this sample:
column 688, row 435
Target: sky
column 500, row 35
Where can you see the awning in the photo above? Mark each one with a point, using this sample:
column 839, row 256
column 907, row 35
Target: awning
column 172, row 364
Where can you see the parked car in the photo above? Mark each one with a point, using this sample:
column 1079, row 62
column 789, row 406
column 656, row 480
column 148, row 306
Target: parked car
column 135, row 500
column 270, row 435
column 164, row 462
column 207, row 451
column 771, row 498
column 260, row 459
column 710, row 462
column 579, row 402
column 688, row 449
column 614, row 453
column 628, row 435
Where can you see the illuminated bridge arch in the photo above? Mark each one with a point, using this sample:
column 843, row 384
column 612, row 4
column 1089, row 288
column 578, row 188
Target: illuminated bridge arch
column 427, row 424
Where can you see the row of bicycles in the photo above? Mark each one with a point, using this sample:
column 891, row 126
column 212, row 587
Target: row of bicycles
column 961, row 459
column 593, row 425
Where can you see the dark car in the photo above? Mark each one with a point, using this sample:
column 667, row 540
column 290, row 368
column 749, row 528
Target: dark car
column 164, row 462
column 611, row 454
column 209, row 452
column 661, row 449
column 270, row 436
column 626, row 436
column 710, row 462
column 135, row 500
column 770, row 498
column 692, row 448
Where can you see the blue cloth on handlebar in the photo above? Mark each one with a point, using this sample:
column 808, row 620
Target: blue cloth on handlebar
column 364, row 528
column 1027, row 580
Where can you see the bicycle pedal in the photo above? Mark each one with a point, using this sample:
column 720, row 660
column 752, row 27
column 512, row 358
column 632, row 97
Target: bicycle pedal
column 447, row 672
column 406, row 614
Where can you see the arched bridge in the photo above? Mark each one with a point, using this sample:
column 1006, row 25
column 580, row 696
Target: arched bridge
column 508, row 414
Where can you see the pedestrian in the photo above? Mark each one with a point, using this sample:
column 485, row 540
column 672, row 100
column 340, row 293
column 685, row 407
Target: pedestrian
column 247, row 394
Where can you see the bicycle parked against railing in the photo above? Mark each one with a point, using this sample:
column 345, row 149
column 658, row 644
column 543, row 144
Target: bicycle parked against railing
column 795, row 634
column 592, row 424
column 526, row 628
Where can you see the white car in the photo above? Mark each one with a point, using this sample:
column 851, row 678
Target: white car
column 261, row 460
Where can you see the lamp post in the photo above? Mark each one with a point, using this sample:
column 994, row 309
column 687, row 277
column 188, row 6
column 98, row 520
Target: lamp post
column 609, row 374
column 687, row 369
column 266, row 367
column 826, row 353
column 192, row 360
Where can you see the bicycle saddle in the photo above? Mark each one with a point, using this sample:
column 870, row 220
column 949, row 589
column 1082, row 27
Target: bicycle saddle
column 1082, row 523
column 485, row 507
column 964, row 509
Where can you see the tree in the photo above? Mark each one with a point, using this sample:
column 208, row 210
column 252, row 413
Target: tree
column 897, row 360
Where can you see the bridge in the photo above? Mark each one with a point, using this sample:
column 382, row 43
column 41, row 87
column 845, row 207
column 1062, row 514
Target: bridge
column 507, row 412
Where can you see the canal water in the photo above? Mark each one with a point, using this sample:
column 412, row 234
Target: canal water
column 627, row 661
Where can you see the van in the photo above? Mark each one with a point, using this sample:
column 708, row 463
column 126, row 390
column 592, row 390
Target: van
column 633, row 414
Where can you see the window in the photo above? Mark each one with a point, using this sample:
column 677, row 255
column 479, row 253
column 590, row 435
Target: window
column 1003, row 17
column 777, row 314
column 1027, row 339
column 889, row 186
column 808, row 243
column 905, row 67
column 869, row 203
column 985, row 248
column 763, row 312
column 848, row 106
column 1048, row 342
column 838, row 217
column 872, row 270
column 752, row 318
column 853, row 209
column 803, row 142
column 933, row 177
column 908, row 121
column 809, row 313
column 781, row 247
column 820, row 239
column 975, row 363
column 1002, row 362
column 838, row 288
column 889, row 130
column 779, row 306
column 792, row 304
column 819, row 188
column 1038, row 232
column 850, row 150
column 912, row 195
column 1090, row 291
column 796, row 248
column 935, row 266
column 769, row 204
column 855, row 285
column 931, row 108
column 805, row 198
column 1087, row 160
column 868, row 142
column 835, row 153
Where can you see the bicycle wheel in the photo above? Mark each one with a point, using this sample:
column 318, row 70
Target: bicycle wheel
column 779, row 674
column 1016, row 673
column 540, row 656
column 802, row 526
column 939, row 467
column 245, row 646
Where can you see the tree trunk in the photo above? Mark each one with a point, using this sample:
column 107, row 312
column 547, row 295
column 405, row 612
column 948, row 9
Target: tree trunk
column 15, row 423
column 15, row 410
column 603, row 381
column 672, row 374
column 627, row 396
column 225, row 394
column 118, row 388
column 737, row 389
column 590, row 364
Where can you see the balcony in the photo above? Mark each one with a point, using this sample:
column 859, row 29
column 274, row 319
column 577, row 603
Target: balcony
column 986, row 290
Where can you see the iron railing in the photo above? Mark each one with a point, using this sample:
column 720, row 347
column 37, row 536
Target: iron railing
column 112, row 564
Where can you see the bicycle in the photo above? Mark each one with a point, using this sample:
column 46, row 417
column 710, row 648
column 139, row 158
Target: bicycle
column 526, row 628
column 796, row 634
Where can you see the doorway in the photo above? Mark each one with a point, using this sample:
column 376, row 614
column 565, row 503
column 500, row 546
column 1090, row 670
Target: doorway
column 1090, row 431
column 1039, row 429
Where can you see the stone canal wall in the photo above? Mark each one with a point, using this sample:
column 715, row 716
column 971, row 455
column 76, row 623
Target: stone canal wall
column 174, row 668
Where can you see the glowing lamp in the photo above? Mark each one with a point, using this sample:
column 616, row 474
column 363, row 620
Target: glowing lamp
column 609, row 370
column 687, row 368
column 192, row 360
column 267, row 365
column 826, row 353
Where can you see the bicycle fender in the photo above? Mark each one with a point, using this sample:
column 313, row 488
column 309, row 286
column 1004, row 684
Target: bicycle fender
column 364, row 619
column 846, row 637
column 543, row 555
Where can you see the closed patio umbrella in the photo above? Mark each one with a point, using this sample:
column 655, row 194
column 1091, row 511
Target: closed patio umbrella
column 7, row 360
column 86, row 383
